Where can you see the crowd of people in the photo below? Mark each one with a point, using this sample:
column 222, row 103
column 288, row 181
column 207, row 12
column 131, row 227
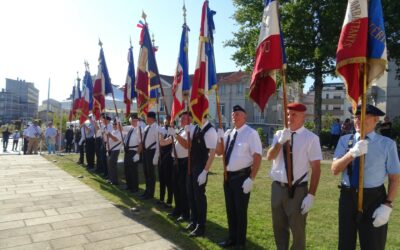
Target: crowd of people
column 184, row 156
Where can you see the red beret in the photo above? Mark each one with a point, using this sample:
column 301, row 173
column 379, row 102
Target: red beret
column 296, row 107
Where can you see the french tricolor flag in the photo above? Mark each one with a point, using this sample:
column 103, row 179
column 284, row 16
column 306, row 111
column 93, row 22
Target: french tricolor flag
column 270, row 56
column 351, row 54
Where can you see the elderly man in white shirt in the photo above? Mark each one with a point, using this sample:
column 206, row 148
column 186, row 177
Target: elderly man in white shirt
column 290, row 206
column 33, row 133
column 243, row 150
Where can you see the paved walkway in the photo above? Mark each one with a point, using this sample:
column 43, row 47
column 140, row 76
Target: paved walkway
column 43, row 207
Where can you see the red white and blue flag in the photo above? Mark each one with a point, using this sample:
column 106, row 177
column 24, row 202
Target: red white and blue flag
column 102, row 86
column 147, row 77
column 351, row 53
column 377, row 54
column 86, row 101
column 180, row 87
column 129, row 89
column 270, row 56
column 205, row 77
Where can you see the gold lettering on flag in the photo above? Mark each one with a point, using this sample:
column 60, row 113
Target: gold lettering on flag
column 376, row 32
column 351, row 36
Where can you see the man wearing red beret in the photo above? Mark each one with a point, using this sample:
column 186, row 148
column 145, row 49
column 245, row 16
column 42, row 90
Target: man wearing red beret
column 290, row 206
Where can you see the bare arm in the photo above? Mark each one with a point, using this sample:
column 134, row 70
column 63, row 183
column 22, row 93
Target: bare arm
column 220, row 147
column 339, row 165
column 256, row 165
column 165, row 142
column 315, row 175
column 273, row 152
column 210, row 160
column 394, row 181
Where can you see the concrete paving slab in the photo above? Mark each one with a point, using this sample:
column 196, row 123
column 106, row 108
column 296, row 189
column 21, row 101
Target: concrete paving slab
column 43, row 207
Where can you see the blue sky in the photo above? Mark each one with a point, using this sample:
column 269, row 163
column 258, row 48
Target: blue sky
column 45, row 39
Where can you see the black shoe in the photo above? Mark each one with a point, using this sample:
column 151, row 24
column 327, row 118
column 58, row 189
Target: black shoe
column 227, row 243
column 181, row 219
column 198, row 232
column 159, row 202
column 240, row 247
column 134, row 190
column 173, row 215
column 191, row 227
column 167, row 205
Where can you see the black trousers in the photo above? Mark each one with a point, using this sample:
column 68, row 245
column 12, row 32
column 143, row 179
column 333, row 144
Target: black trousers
column 197, row 197
column 69, row 146
column 81, row 149
column 131, row 171
column 165, row 172
column 370, row 237
column 103, row 158
column 15, row 145
column 90, row 151
column 25, row 148
column 149, row 172
column 236, row 206
column 180, row 188
column 97, row 149
column 112, row 161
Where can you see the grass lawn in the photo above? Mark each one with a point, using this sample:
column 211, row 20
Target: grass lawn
column 322, row 229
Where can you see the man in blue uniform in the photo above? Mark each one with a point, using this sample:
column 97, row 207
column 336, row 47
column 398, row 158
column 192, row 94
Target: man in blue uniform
column 381, row 161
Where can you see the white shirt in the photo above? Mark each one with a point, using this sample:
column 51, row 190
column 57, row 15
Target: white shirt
column 247, row 144
column 115, row 133
column 210, row 137
column 181, row 152
column 107, row 128
column 134, row 139
column 33, row 131
column 306, row 148
column 152, row 136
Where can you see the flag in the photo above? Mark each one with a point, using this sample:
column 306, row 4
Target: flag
column 205, row 77
column 180, row 87
column 377, row 55
column 102, row 86
column 270, row 56
column 71, row 111
column 129, row 90
column 148, row 79
column 86, row 101
column 352, row 48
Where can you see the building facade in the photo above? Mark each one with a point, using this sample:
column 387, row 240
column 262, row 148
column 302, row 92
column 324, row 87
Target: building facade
column 19, row 101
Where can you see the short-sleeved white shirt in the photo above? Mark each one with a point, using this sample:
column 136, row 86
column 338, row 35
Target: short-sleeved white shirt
column 210, row 137
column 306, row 148
column 247, row 144
column 115, row 133
column 181, row 152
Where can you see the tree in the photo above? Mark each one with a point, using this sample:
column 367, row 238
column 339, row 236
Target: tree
column 311, row 30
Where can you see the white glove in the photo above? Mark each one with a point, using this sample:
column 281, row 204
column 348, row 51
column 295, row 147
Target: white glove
column 171, row 131
column 285, row 136
column 117, row 119
column 220, row 133
column 187, row 128
column 360, row 148
column 155, row 159
column 136, row 158
column 202, row 177
column 247, row 185
column 381, row 215
column 307, row 204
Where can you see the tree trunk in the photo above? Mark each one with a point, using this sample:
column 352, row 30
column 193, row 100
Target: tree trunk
column 318, row 85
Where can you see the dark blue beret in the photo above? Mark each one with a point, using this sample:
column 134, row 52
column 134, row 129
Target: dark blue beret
column 151, row 114
column 238, row 108
column 370, row 109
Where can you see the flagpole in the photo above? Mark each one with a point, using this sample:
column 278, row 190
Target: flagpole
column 115, row 107
column 287, row 145
column 362, row 137
column 220, row 126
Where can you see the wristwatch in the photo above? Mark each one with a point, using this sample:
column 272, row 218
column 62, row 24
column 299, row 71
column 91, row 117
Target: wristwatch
column 388, row 203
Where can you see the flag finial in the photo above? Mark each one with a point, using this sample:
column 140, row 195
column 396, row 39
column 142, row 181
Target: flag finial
column 100, row 43
column 184, row 12
column 144, row 16
column 153, row 40
column 86, row 65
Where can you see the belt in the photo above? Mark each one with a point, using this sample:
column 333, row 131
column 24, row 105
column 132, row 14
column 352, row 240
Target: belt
column 284, row 184
column 351, row 189
column 242, row 171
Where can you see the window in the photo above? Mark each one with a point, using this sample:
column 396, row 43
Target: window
column 222, row 106
column 239, row 89
column 327, row 96
column 221, row 89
